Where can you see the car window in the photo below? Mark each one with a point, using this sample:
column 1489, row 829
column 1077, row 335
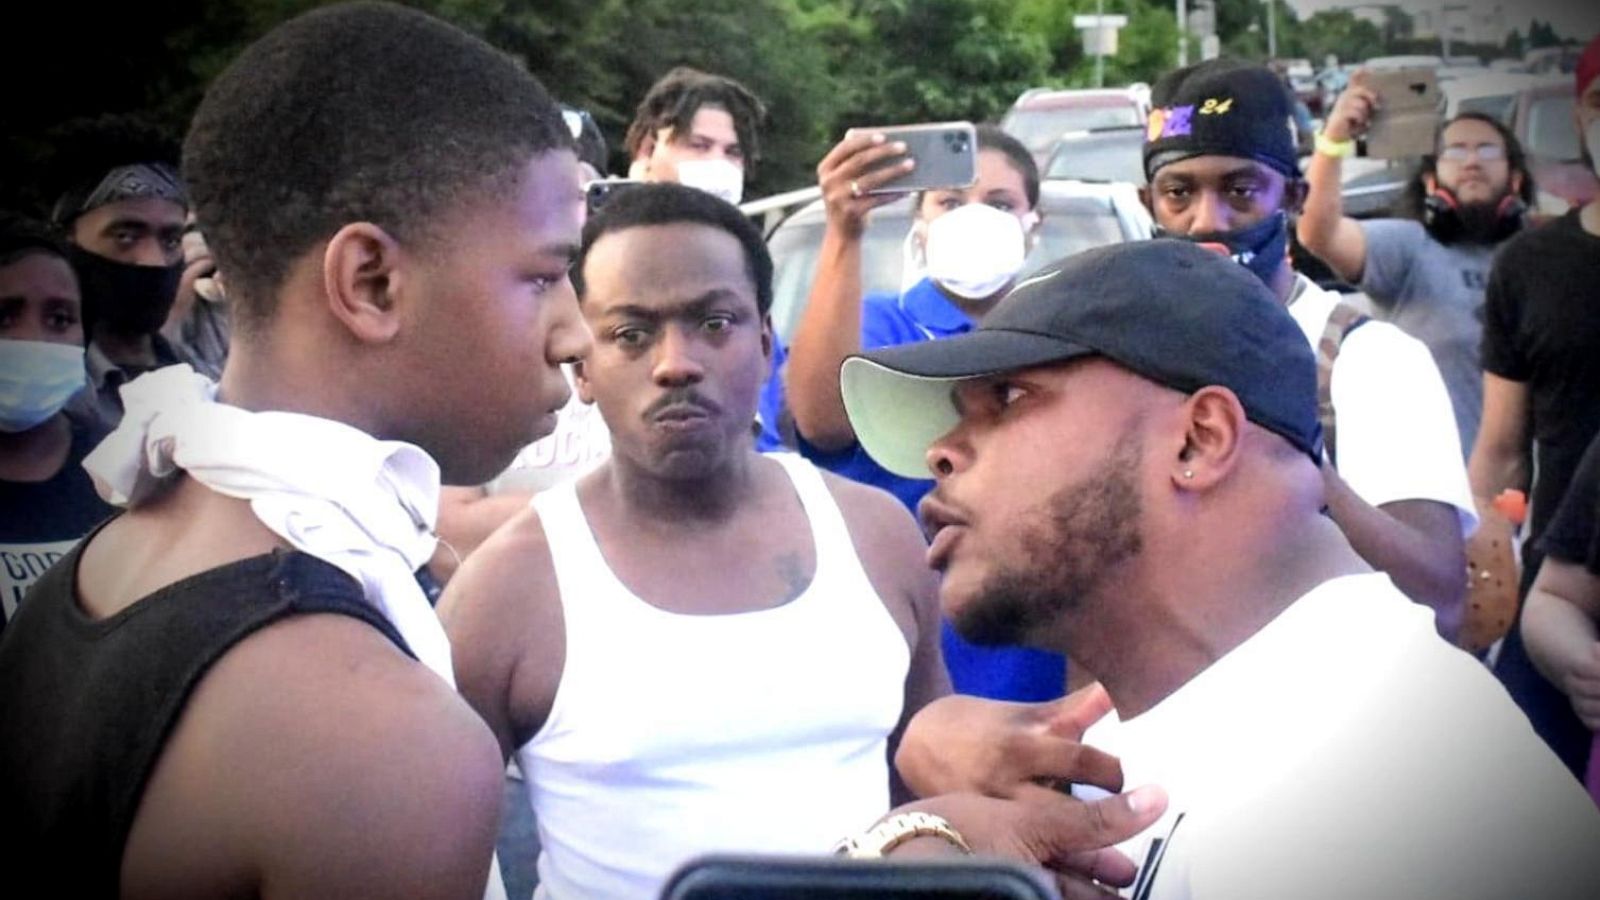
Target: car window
column 1068, row 228
column 1067, row 232
column 1551, row 134
column 1039, row 128
column 1496, row 105
column 1100, row 157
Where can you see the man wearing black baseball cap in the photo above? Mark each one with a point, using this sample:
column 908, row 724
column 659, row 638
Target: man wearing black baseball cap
column 1220, row 157
column 1126, row 455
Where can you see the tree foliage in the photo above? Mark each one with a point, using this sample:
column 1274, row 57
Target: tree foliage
column 821, row 66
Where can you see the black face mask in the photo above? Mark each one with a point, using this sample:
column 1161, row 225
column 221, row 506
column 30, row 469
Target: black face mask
column 1262, row 248
column 122, row 298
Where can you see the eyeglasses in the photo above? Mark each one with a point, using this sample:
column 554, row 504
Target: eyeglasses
column 1457, row 153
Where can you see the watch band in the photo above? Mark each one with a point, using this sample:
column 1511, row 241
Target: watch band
column 1337, row 149
column 877, row 841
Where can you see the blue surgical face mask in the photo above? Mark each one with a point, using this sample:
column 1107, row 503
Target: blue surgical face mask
column 1261, row 248
column 37, row 378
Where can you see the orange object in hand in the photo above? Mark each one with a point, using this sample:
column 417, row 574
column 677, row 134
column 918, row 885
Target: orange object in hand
column 1513, row 505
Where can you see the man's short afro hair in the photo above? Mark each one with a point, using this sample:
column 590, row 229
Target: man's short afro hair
column 356, row 112
column 669, row 203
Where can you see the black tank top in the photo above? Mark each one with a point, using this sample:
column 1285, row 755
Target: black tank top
column 86, row 706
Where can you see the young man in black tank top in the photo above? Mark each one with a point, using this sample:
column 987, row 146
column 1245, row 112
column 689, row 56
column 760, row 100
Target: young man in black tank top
column 191, row 707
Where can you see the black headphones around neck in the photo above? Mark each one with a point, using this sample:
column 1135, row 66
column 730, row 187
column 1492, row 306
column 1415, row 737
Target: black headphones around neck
column 1441, row 215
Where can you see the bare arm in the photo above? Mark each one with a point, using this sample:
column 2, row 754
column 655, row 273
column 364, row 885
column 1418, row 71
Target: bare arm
column 316, row 760
column 502, row 613
column 1324, row 229
column 830, row 328
column 892, row 551
column 1559, row 628
column 1417, row 543
column 1499, row 458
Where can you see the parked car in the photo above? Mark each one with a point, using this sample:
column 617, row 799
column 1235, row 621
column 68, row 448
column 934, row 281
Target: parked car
column 1104, row 155
column 1494, row 94
column 1077, row 216
column 1542, row 120
column 1389, row 63
column 1040, row 116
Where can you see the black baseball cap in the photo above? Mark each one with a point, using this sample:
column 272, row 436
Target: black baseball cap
column 1167, row 310
column 1221, row 107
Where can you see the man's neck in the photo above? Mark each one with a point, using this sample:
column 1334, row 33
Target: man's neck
column 1194, row 612
column 38, row 453
column 1282, row 283
column 646, row 498
column 127, row 349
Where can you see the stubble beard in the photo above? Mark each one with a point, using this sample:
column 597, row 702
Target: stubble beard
column 1070, row 546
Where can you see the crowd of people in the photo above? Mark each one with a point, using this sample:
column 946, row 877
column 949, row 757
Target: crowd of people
column 396, row 504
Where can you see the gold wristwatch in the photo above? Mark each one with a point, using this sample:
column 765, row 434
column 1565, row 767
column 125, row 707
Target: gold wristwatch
column 877, row 841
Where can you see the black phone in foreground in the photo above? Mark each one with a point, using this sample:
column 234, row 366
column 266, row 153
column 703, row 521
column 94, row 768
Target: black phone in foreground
column 756, row 877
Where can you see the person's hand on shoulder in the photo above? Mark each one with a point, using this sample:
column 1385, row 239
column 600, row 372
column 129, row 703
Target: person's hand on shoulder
column 962, row 743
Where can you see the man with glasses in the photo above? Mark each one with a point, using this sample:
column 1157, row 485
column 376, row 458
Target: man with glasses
column 1425, row 273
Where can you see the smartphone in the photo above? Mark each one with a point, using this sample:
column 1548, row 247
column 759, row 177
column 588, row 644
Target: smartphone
column 597, row 192
column 743, row 877
column 946, row 155
column 1410, row 107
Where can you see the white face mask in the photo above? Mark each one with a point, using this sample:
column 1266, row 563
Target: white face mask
column 717, row 177
column 975, row 250
column 37, row 378
column 1591, row 139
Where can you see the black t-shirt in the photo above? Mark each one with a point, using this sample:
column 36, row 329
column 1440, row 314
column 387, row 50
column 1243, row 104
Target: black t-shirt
column 1574, row 532
column 1542, row 327
column 41, row 520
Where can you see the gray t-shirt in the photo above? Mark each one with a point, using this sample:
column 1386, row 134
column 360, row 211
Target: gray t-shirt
column 1433, row 292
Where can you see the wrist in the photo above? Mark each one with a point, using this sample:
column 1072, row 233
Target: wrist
column 1333, row 146
column 900, row 831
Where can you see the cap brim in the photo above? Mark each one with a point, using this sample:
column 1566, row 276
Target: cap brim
column 898, row 399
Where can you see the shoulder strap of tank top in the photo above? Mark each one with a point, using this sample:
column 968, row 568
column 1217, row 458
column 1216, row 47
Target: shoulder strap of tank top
column 829, row 532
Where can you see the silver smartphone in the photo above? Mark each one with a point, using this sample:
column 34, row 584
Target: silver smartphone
column 946, row 155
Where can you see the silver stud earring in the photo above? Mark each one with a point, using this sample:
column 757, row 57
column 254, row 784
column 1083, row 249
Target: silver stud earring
column 1188, row 473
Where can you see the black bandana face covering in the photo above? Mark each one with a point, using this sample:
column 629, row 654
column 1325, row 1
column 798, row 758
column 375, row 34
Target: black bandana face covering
column 122, row 298
column 1261, row 248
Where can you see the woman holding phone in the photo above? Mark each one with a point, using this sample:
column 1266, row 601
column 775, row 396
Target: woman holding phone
column 967, row 245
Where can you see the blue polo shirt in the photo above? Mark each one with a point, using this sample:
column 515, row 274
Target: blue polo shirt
column 923, row 313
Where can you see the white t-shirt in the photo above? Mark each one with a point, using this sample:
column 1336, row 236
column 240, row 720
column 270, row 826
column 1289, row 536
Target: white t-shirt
column 1294, row 773
column 1396, row 434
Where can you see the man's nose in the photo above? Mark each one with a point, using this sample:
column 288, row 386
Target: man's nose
column 675, row 362
column 1211, row 215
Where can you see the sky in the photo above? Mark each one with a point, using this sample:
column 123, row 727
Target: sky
column 1572, row 18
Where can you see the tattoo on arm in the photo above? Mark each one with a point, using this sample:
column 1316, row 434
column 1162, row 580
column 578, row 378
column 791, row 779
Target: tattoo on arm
column 794, row 575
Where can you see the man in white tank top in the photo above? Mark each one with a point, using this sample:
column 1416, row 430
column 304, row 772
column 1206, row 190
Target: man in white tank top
column 698, row 647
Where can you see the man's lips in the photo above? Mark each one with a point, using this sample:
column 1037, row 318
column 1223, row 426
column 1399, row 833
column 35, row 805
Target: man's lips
column 943, row 544
column 680, row 411
column 942, row 526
